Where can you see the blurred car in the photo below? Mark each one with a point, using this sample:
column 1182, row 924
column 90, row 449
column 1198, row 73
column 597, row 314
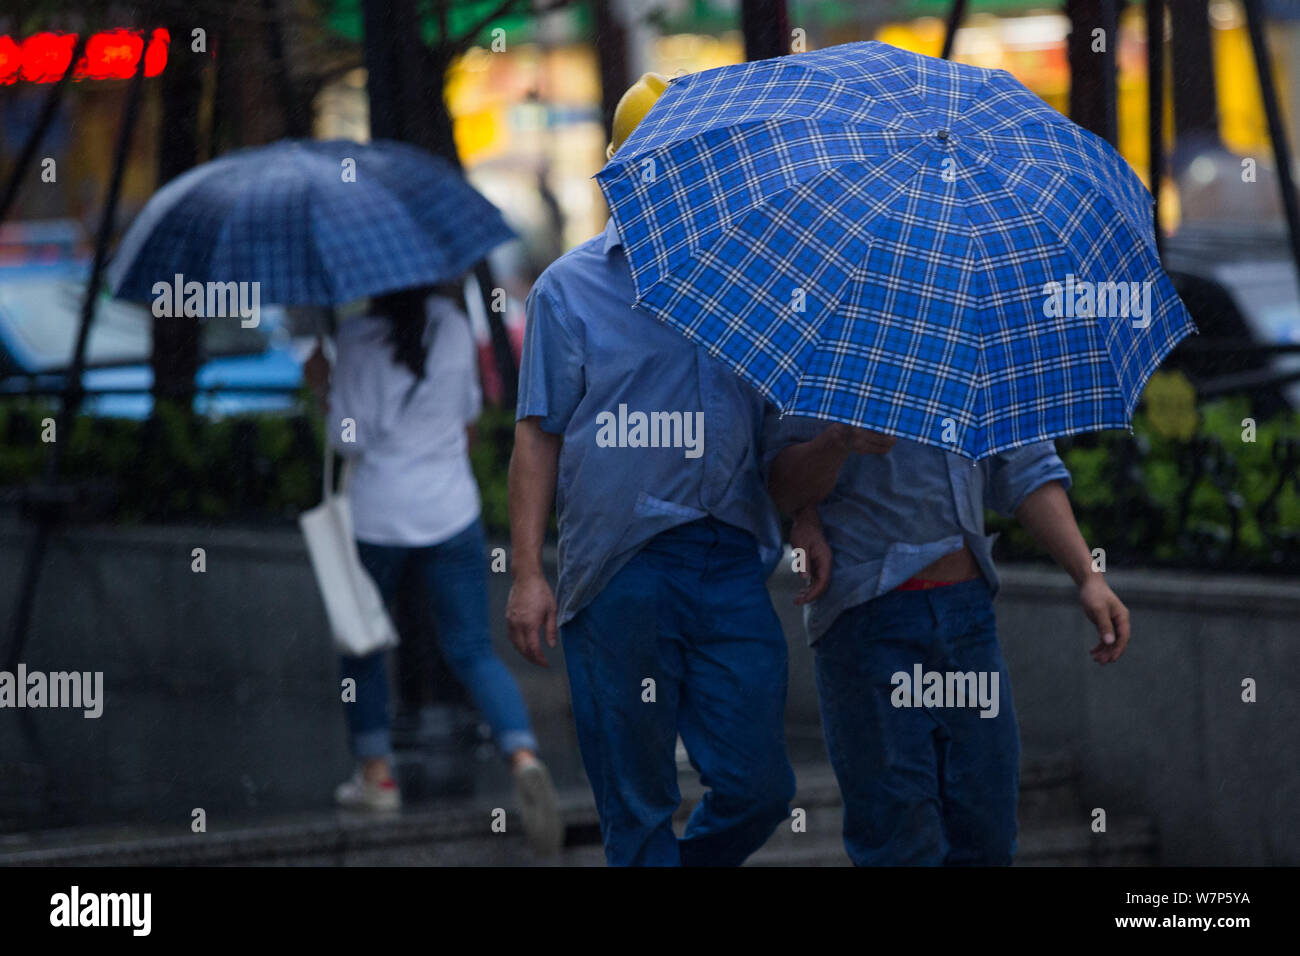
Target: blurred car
column 43, row 269
column 1239, row 283
column 42, row 283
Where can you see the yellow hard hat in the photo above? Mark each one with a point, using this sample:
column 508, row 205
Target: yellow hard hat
column 632, row 108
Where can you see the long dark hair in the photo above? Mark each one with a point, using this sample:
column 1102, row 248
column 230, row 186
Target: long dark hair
column 404, row 310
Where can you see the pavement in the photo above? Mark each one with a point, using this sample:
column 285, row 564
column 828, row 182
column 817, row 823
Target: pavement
column 458, row 831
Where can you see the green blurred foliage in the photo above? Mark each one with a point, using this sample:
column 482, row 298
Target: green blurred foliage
column 1128, row 492
column 490, row 458
column 1154, row 500
column 174, row 466
column 248, row 469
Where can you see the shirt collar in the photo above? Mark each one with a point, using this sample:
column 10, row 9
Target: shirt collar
column 612, row 238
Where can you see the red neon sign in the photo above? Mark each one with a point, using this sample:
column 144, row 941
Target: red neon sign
column 113, row 55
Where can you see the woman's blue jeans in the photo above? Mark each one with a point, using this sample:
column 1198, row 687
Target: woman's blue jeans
column 454, row 577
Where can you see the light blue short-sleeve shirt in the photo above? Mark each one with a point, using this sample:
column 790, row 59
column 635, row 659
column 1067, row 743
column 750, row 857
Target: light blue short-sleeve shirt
column 656, row 432
column 890, row 516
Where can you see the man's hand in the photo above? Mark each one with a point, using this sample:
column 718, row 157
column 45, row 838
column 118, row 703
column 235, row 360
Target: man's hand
column 1108, row 614
column 806, row 533
column 860, row 441
column 530, row 613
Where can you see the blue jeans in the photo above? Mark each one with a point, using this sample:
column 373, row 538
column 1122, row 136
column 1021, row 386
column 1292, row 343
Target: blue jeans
column 454, row 575
column 922, row 785
column 690, row 612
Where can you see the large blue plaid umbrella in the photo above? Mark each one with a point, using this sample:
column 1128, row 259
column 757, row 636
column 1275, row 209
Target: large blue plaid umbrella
column 889, row 240
column 315, row 223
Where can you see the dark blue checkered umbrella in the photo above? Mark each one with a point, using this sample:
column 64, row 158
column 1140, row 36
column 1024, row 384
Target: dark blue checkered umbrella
column 314, row 223
column 898, row 242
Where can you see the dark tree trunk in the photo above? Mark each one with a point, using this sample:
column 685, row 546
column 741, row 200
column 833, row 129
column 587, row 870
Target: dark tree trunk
column 1092, row 74
column 611, row 53
column 432, row 127
column 1196, row 105
column 295, row 109
column 175, row 348
column 381, row 73
column 765, row 25
column 406, row 103
column 438, row 129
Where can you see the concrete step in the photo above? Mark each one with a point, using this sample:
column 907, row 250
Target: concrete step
column 1131, row 844
column 1054, row 831
column 1126, row 843
column 1048, row 793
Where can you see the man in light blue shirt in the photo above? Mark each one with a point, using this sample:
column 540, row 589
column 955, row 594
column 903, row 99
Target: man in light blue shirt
column 890, row 516
column 649, row 449
column 916, row 705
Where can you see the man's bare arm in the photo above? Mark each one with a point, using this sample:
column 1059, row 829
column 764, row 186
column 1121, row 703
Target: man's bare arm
column 533, row 467
column 806, row 473
column 530, row 610
column 1046, row 514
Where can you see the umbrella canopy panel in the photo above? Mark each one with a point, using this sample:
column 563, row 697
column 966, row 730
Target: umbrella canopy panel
column 898, row 242
column 313, row 223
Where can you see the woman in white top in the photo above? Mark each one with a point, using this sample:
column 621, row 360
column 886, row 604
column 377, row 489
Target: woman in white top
column 402, row 404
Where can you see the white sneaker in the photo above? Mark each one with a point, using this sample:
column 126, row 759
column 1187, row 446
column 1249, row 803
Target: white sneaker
column 542, row 826
column 360, row 794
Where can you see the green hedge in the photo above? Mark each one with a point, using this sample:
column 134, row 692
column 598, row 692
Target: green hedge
column 1129, row 490
column 1130, row 493
column 248, row 470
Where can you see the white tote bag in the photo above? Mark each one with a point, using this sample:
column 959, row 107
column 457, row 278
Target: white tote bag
column 356, row 612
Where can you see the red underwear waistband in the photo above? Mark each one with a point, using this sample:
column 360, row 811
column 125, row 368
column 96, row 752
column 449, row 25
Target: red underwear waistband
column 917, row 584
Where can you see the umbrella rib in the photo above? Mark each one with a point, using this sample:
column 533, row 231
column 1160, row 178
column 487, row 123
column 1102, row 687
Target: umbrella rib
column 1013, row 122
column 141, row 231
column 981, row 365
column 1118, row 166
column 912, row 91
column 621, row 163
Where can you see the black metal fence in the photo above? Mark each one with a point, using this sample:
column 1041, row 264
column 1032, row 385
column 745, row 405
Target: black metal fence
column 1208, row 502
column 1219, row 499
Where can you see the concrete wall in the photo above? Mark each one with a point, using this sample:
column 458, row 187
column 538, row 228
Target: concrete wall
column 220, row 688
column 1164, row 732
column 222, row 691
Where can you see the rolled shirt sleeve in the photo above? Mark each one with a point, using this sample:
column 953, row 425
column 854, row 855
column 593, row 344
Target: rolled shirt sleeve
column 551, row 381
column 1014, row 475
